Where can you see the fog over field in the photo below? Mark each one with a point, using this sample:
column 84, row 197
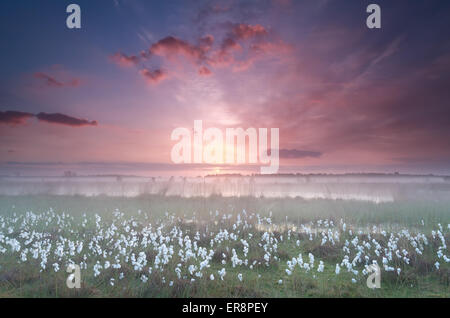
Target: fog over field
column 226, row 236
column 374, row 188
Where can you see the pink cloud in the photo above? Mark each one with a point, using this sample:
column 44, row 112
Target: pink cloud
column 204, row 71
column 125, row 60
column 153, row 77
column 242, row 45
column 247, row 31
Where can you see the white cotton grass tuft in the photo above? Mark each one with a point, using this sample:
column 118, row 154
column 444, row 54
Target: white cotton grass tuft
column 338, row 269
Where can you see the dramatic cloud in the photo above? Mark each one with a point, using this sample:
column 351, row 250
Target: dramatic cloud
column 65, row 120
column 250, row 42
column 13, row 117
column 19, row 118
column 171, row 46
column 53, row 82
column 340, row 93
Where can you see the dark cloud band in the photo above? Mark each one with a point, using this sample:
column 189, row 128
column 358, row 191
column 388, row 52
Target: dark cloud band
column 19, row 118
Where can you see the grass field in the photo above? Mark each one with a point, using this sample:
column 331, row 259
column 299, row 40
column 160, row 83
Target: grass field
column 155, row 246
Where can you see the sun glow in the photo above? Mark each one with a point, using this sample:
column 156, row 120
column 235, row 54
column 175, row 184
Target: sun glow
column 207, row 146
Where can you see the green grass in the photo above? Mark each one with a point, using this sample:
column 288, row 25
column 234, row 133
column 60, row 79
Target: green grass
column 298, row 210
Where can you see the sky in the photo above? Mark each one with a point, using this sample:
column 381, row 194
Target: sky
column 105, row 98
